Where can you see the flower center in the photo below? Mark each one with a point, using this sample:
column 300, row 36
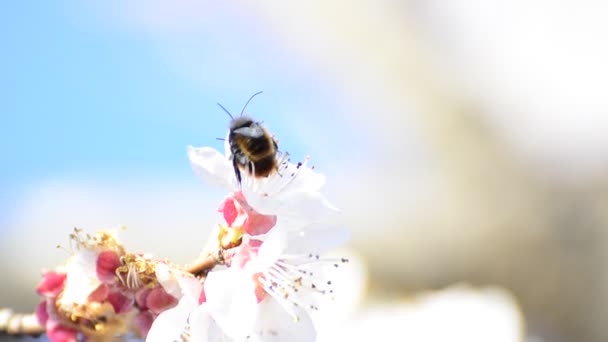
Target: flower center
column 136, row 271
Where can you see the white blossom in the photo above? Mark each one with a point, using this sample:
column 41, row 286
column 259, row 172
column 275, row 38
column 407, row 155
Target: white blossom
column 292, row 192
column 285, row 272
column 188, row 320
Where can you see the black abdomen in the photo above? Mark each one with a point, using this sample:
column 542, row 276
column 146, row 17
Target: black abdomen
column 263, row 167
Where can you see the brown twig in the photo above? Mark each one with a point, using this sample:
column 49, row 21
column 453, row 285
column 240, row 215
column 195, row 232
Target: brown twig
column 206, row 264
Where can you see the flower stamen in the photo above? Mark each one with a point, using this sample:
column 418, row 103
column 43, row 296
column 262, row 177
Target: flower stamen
column 291, row 282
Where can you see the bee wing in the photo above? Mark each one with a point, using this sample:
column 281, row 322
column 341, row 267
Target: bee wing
column 253, row 131
column 242, row 159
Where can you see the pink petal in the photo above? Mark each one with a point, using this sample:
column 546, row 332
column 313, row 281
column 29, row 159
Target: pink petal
column 260, row 293
column 41, row 313
column 239, row 214
column 245, row 252
column 58, row 333
column 99, row 294
column 52, row 283
column 121, row 302
column 255, row 223
column 142, row 323
column 159, row 300
column 259, row 224
column 229, row 209
column 202, row 297
column 107, row 263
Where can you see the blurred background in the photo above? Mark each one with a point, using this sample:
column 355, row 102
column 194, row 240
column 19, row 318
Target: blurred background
column 465, row 142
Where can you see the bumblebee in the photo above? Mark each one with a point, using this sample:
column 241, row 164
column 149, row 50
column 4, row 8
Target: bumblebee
column 253, row 149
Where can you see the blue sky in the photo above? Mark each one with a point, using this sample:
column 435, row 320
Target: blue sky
column 78, row 100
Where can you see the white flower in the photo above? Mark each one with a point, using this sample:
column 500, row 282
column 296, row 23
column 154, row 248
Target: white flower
column 188, row 320
column 292, row 192
column 270, row 289
column 275, row 280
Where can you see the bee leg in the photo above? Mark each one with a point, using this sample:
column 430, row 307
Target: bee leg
column 252, row 168
column 237, row 172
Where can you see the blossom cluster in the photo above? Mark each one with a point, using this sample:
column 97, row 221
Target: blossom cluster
column 266, row 278
column 102, row 291
column 270, row 240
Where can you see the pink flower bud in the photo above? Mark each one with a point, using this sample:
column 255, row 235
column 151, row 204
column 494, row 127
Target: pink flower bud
column 141, row 298
column 107, row 263
column 121, row 302
column 159, row 300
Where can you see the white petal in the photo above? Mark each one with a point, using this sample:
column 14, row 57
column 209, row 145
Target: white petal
column 310, row 239
column 274, row 245
column 232, row 302
column 308, row 206
column 177, row 282
column 170, row 324
column 211, row 165
column 202, row 326
column 215, row 334
column 307, row 179
column 293, row 191
column 289, row 178
column 274, row 325
column 311, row 205
column 190, row 287
column 316, row 238
column 167, row 281
column 81, row 277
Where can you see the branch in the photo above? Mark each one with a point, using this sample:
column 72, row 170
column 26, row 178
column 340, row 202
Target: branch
column 12, row 323
column 203, row 266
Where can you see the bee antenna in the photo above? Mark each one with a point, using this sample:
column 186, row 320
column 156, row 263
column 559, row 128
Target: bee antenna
column 225, row 110
column 252, row 96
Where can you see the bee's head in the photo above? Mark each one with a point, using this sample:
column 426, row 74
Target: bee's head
column 241, row 121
